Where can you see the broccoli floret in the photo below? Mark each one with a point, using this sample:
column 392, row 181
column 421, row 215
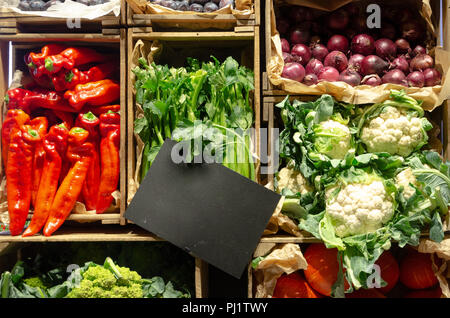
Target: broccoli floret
column 35, row 282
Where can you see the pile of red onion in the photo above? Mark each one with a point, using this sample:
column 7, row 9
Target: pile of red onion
column 338, row 46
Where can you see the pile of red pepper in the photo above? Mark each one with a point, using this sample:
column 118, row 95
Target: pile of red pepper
column 61, row 137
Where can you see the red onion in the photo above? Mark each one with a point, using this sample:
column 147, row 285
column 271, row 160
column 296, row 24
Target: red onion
column 400, row 63
column 293, row 71
column 388, row 31
column 283, row 26
column 402, row 46
column 350, row 76
column 419, row 50
column 319, row 51
column 355, row 62
column 314, row 66
column 338, row 20
column 287, row 58
column 373, row 64
column 338, row 43
column 299, row 35
column 328, row 73
column 302, row 53
column 310, row 79
column 336, row 59
column 394, row 77
column 363, row 44
column 421, row 62
column 299, row 14
column 372, row 80
column 411, row 30
column 350, row 33
column 432, row 77
column 415, row 79
column 385, row 48
column 285, row 46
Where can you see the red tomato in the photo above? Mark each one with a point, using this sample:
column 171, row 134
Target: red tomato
column 389, row 271
column 416, row 271
column 427, row 293
column 293, row 286
column 365, row 293
column 323, row 268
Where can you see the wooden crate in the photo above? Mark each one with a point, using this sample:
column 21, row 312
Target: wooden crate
column 15, row 25
column 149, row 22
column 271, row 90
column 216, row 40
column 12, row 251
column 117, row 43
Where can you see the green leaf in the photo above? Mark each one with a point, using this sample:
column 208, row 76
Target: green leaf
column 256, row 261
column 436, row 231
column 324, row 108
column 328, row 235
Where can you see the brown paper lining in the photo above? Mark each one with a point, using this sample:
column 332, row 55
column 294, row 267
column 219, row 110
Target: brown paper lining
column 283, row 259
column 362, row 94
column 19, row 78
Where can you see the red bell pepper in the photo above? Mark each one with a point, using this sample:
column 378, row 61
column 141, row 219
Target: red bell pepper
column 40, row 124
column 98, row 110
column 110, row 159
column 34, row 59
column 55, row 146
column 94, row 93
column 28, row 101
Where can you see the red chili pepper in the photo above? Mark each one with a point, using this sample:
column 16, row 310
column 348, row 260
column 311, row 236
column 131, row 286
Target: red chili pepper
column 98, row 110
column 79, row 153
column 63, row 81
column 18, row 176
column 15, row 118
column 94, row 93
column 110, row 159
column 55, row 146
column 89, row 192
column 40, row 124
column 27, row 100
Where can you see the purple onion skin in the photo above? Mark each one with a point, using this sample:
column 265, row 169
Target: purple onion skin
column 400, row 63
column 319, row 51
column 350, row 77
column 372, row 80
column 336, row 59
column 310, row 79
column 432, row 77
column 385, row 48
column 402, row 46
column 338, row 43
column 362, row 44
column 355, row 62
column 314, row 66
column 329, row 74
column 299, row 36
column 394, row 77
column 287, row 58
column 421, row 62
column 293, row 71
column 415, row 79
column 285, row 46
column 301, row 53
column 419, row 50
column 373, row 64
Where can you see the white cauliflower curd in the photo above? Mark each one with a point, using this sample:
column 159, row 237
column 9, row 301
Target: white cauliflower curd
column 292, row 180
column 404, row 179
column 393, row 132
column 332, row 139
column 359, row 208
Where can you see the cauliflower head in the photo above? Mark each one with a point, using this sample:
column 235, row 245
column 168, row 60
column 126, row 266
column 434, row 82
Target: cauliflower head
column 404, row 179
column 359, row 207
column 395, row 132
column 292, row 180
column 332, row 138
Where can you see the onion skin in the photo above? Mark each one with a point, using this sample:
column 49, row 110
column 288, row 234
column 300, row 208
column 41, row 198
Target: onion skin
column 338, row 43
column 310, row 79
column 287, row 58
column 314, row 66
column 362, row 44
column 350, row 77
column 400, row 63
column 421, row 62
column 299, row 36
column 403, row 46
column 394, row 77
column 301, row 53
column 419, row 50
column 328, row 73
column 372, row 80
column 373, row 64
column 355, row 62
column 415, row 79
column 336, row 59
column 293, row 71
column 319, row 51
column 432, row 77
column 285, row 46
column 385, row 48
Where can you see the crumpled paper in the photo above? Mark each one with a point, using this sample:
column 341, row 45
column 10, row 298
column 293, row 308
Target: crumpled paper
column 442, row 251
column 283, row 259
column 69, row 9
